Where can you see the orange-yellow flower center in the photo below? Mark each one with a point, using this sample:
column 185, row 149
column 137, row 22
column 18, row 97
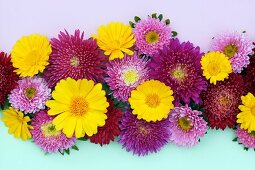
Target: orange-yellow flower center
column 253, row 110
column 152, row 37
column 30, row 92
column 223, row 100
column 213, row 69
column 79, row 106
column 74, row 61
column 130, row 76
column 152, row 100
column 32, row 57
column 184, row 123
column 49, row 130
column 230, row 50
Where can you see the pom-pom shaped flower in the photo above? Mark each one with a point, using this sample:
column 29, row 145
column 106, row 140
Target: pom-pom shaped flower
column 236, row 47
column 80, row 107
column 143, row 137
column 46, row 136
column 221, row 102
column 115, row 39
column 151, row 35
column 152, row 100
column 246, row 117
column 30, row 55
column 74, row 57
column 111, row 128
column 17, row 123
column 186, row 126
column 245, row 138
column 8, row 79
column 30, row 95
column 178, row 66
column 125, row 75
column 215, row 66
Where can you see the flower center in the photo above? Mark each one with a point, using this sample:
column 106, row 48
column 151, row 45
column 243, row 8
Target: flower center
column 30, row 92
column 142, row 130
column 184, row 123
column 152, row 37
column 74, row 61
column 179, row 74
column 253, row 110
column 223, row 100
column 230, row 50
column 213, row 69
column 49, row 130
column 152, row 100
column 130, row 76
column 33, row 57
column 79, row 106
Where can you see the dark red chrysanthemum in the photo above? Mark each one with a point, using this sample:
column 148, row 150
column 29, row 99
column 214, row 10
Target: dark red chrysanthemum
column 8, row 78
column 221, row 102
column 249, row 77
column 73, row 56
column 111, row 128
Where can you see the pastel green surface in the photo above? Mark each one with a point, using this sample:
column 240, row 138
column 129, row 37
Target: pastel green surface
column 216, row 151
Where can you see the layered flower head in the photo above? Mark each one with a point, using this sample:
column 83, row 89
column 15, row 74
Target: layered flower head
column 250, row 76
column 143, row 137
column 125, row 75
column 151, row 35
column 178, row 66
column 186, row 126
column 115, row 39
column 74, row 57
column 151, row 101
column 46, row 136
column 30, row 95
column 246, row 117
column 30, row 55
column 8, row 78
column 80, row 107
column 17, row 123
column 236, row 47
column 215, row 66
column 245, row 138
column 221, row 102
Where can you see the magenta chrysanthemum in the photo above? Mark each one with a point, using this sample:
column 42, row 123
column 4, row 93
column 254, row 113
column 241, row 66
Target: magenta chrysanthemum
column 46, row 136
column 236, row 47
column 151, row 35
column 30, row 95
column 143, row 137
column 74, row 57
column 125, row 75
column 245, row 138
column 186, row 126
column 178, row 66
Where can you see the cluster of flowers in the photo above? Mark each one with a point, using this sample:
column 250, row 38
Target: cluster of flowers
column 136, row 83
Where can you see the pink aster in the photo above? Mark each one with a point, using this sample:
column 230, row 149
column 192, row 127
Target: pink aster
column 125, row 75
column 46, row 136
column 245, row 138
column 237, row 47
column 30, row 95
column 186, row 126
column 156, row 31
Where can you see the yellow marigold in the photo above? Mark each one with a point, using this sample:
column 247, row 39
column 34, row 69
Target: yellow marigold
column 30, row 55
column 17, row 123
column 115, row 39
column 215, row 66
column 80, row 105
column 152, row 100
column 247, row 115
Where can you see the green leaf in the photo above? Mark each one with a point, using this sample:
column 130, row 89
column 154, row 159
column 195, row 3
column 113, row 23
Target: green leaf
column 131, row 24
column 245, row 148
column 174, row 33
column 74, row 147
column 167, row 21
column 137, row 19
column 160, row 17
column 83, row 139
column 154, row 15
column 62, row 153
column 235, row 139
column 67, row 151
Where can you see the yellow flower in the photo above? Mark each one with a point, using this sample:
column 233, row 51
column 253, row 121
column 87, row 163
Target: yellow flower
column 247, row 115
column 17, row 123
column 215, row 66
column 80, row 105
column 30, row 55
column 152, row 100
column 115, row 39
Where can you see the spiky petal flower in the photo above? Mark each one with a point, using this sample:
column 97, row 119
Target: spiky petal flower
column 249, row 77
column 178, row 66
column 151, row 35
column 46, row 136
column 221, row 102
column 236, row 47
column 74, row 57
column 143, row 137
column 245, row 138
column 8, row 79
column 125, row 75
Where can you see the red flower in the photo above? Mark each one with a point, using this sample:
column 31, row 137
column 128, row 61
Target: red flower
column 249, row 77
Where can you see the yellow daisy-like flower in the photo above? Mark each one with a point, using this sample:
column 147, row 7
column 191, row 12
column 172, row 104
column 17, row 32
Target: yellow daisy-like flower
column 17, row 123
column 80, row 105
column 152, row 100
column 247, row 115
column 115, row 39
column 215, row 66
column 30, row 55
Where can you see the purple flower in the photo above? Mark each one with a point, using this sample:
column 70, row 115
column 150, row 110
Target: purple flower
column 247, row 139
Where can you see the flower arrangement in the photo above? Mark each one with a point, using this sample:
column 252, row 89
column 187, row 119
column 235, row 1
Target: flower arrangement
column 137, row 84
